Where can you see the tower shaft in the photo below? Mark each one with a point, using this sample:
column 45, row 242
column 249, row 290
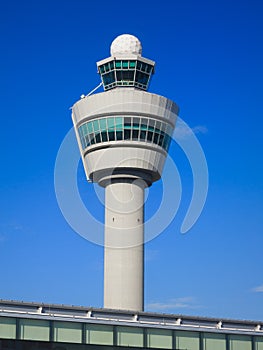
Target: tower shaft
column 124, row 249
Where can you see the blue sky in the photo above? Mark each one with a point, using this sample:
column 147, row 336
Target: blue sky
column 209, row 58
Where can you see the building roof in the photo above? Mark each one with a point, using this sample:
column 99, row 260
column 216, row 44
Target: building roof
column 86, row 314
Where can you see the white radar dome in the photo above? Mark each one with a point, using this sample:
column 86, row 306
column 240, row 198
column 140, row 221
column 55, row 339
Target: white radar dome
column 126, row 44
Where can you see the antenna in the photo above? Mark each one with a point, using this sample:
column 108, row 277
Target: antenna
column 91, row 92
column 96, row 88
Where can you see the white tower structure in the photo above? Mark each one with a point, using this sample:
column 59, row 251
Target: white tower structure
column 124, row 135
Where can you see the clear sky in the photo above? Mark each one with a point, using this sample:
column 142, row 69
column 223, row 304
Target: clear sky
column 209, row 58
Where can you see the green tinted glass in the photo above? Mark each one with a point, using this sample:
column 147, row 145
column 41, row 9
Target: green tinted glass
column 130, row 336
column 118, row 64
column 214, row 341
column 90, row 127
column 81, row 134
column 125, row 64
column 187, row 340
column 119, row 123
column 238, row 342
column 68, row 332
column 132, row 64
column 85, row 129
column 99, row 334
column 125, row 128
column 159, row 338
column 259, row 343
column 103, row 124
column 96, row 125
column 34, row 329
column 7, row 327
column 111, row 123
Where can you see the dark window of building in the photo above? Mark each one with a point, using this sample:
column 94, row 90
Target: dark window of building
column 98, row 139
column 111, row 136
column 119, row 135
column 142, row 135
column 104, row 137
column 149, row 136
column 127, row 134
column 135, row 134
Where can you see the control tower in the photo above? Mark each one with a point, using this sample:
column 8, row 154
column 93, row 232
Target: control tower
column 124, row 135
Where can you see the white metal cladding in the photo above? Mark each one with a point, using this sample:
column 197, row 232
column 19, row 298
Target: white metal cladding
column 105, row 159
column 123, row 246
column 123, row 102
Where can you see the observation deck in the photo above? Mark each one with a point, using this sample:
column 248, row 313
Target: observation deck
column 124, row 128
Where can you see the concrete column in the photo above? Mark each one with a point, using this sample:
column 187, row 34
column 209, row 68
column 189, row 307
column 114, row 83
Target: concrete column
column 124, row 249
